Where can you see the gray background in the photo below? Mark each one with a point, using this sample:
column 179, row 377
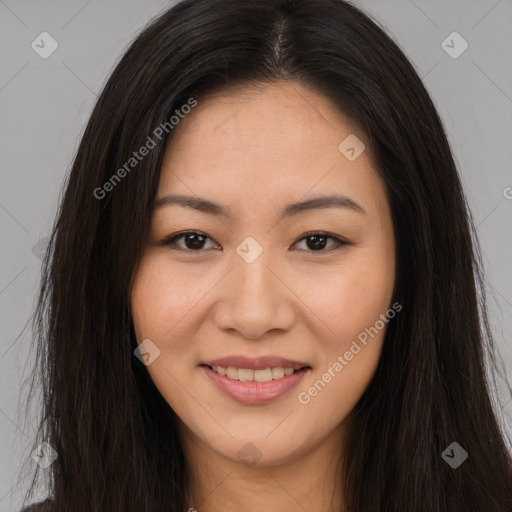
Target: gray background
column 45, row 103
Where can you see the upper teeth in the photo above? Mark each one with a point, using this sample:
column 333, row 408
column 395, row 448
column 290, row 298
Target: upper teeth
column 245, row 375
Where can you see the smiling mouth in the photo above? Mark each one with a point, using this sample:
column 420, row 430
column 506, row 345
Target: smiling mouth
column 251, row 375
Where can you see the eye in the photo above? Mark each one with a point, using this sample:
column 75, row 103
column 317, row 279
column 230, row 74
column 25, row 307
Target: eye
column 317, row 240
column 194, row 241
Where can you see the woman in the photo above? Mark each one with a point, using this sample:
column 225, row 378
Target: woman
column 262, row 290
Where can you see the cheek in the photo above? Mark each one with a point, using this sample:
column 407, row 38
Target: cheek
column 163, row 300
column 356, row 302
column 352, row 296
column 161, row 305
column 352, row 306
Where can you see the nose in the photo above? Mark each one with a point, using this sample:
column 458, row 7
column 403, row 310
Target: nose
column 255, row 299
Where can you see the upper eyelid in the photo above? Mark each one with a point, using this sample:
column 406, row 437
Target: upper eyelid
column 177, row 236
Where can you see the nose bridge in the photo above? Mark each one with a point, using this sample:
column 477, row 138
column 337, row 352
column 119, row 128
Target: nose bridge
column 255, row 301
column 254, row 282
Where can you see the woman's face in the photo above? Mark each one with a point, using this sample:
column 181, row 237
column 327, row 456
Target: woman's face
column 255, row 292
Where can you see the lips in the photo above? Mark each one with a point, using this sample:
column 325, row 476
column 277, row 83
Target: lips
column 221, row 372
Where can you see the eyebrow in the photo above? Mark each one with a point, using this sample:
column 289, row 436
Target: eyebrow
column 212, row 208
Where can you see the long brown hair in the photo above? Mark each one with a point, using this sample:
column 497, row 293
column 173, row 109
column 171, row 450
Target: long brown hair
column 115, row 436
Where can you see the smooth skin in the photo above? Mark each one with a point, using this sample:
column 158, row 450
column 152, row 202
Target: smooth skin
column 255, row 149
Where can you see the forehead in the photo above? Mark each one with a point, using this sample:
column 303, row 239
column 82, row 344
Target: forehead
column 258, row 140
column 281, row 116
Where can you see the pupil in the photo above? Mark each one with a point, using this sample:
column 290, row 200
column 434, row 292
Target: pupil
column 317, row 237
column 195, row 243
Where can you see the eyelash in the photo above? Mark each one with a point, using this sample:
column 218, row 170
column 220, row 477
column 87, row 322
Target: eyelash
column 170, row 241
